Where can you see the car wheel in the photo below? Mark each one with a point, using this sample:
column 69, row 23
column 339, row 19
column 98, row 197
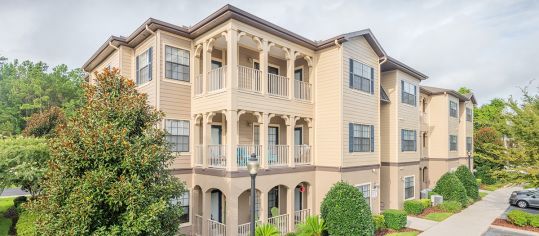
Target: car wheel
column 522, row 204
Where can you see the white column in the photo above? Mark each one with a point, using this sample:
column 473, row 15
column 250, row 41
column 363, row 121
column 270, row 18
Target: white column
column 206, row 130
column 290, row 140
column 263, row 59
column 231, row 139
column 263, row 211
column 206, row 211
column 290, row 65
column 263, row 140
column 231, row 58
column 311, row 139
column 232, row 215
column 206, row 65
column 290, row 208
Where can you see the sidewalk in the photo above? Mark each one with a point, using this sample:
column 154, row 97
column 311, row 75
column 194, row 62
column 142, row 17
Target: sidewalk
column 476, row 219
column 420, row 224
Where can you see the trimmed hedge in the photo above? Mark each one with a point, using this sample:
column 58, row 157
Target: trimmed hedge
column 345, row 211
column 26, row 225
column 450, row 187
column 533, row 220
column 518, row 217
column 468, row 180
column 414, row 207
column 426, row 203
column 379, row 222
column 451, row 206
column 395, row 219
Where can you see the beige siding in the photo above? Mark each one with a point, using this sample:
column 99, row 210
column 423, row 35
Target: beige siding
column 453, row 127
column 388, row 118
column 113, row 60
column 438, row 137
column 408, row 118
column 150, row 87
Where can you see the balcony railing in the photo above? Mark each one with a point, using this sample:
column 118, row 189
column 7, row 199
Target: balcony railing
column 277, row 85
column 245, row 229
column 199, row 84
column 217, row 79
column 197, row 225
column 302, row 90
column 243, row 153
column 217, row 156
column 199, row 149
column 302, row 154
column 277, row 155
column 301, row 215
column 249, row 79
column 281, row 222
column 216, row 228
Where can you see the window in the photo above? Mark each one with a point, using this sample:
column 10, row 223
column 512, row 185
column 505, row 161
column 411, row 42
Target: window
column 273, row 199
column 365, row 189
column 361, row 138
column 298, row 74
column 468, row 114
column 468, row 144
column 183, row 201
column 361, row 77
column 271, row 69
column 409, row 182
column 176, row 63
column 453, row 106
column 452, row 142
column 408, row 93
column 144, row 67
column 177, row 135
column 408, row 140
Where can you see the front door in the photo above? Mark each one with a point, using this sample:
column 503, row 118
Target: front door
column 216, row 135
column 216, row 206
column 273, row 201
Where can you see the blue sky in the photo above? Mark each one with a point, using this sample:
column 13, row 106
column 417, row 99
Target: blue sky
column 491, row 46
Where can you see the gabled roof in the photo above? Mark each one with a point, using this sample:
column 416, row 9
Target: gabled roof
column 394, row 64
column 436, row 91
column 383, row 95
column 220, row 16
column 471, row 97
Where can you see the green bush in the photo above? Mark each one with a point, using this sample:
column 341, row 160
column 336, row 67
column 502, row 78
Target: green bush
column 533, row 220
column 468, row 180
column 426, row 203
column 450, row 187
column 19, row 200
column 478, row 181
column 345, row 211
column 518, row 217
column 26, row 225
column 379, row 222
column 450, row 206
column 395, row 219
column 431, row 193
column 414, row 207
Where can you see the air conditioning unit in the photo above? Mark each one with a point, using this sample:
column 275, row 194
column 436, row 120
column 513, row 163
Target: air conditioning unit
column 424, row 194
column 436, row 200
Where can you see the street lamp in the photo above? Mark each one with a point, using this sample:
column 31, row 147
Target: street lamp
column 470, row 160
column 253, row 166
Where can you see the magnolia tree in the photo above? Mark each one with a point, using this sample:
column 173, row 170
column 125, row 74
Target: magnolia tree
column 107, row 174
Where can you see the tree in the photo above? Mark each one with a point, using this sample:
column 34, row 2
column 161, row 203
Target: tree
column 313, row 226
column 464, row 90
column 468, row 180
column 450, row 187
column 23, row 162
column 345, row 211
column 488, row 153
column 491, row 115
column 108, row 172
column 44, row 123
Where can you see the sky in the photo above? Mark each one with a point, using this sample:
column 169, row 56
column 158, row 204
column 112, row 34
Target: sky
column 489, row 46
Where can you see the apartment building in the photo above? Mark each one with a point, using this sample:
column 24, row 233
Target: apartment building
column 314, row 112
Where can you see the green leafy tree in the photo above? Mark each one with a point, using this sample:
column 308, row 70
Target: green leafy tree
column 464, row 90
column 450, row 187
column 468, row 180
column 267, row 230
column 108, row 172
column 23, row 162
column 43, row 124
column 488, row 153
column 313, row 226
column 345, row 211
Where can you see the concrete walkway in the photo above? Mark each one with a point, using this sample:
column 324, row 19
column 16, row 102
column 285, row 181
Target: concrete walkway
column 419, row 223
column 476, row 219
column 13, row 192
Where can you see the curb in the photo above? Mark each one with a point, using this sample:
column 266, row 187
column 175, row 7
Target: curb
column 515, row 231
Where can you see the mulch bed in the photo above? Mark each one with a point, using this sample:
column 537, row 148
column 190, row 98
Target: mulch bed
column 428, row 211
column 390, row 231
column 506, row 223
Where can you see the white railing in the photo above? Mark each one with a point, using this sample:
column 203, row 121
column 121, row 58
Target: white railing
column 216, row 228
column 199, row 84
column 217, row 156
column 302, row 90
column 249, row 79
column 245, row 229
column 197, row 230
column 199, row 149
column 277, row 155
column 277, row 85
column 244, row 153
column 216, row 79
column 302, row 154
column 301, row 215
column 281, row 222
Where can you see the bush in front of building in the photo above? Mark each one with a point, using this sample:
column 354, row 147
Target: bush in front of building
column 450, row 206
column 518, row 217
column 414, row 207
column 379, row 222
column 345, row 211
column 426, row 203
column 468, row 180
column 395, row 219
column 450, row 187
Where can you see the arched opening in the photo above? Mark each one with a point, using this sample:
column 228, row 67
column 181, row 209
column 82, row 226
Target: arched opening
column 248, row 139
column 244, row 211
column 217, row 206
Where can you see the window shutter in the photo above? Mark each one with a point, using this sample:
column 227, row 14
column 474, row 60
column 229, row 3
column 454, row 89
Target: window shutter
column 415, row 95
column 372, row 80
column 351, row 69
column 372, row 138
column 138, row 74
column 150, row 63
column 402, row 90
column 402, row 140
column 351, row 137
column 415, row 141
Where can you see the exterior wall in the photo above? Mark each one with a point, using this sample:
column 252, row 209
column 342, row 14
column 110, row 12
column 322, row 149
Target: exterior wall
column 112, row 60
column 389, row 120
column 369, row 176
column 438, row 139
column 408, row 118
column 393, row 185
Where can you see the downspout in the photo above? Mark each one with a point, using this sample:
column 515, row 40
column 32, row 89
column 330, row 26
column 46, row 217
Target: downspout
column 341, row 112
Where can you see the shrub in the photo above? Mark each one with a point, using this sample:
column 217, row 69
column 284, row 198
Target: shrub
column 426, row 203
column 414, row 207
column 345, row 211
column 11, row 213
column 450, row 206
column 518, row 217
column 19, row 200
column 395, row 219
column 312, row 226
column 468, row 180
column 267, row 230
column 478, row 181
column 379, row 222
column 450, row 187
column 26, row 225
column 533, row 220
column 431, row 193
column 43, row 124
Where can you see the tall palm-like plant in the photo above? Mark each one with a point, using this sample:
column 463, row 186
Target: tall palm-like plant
column 312, row 226
column 267, row 230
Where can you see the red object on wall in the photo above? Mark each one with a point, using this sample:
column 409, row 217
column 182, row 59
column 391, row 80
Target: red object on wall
column 301, row 189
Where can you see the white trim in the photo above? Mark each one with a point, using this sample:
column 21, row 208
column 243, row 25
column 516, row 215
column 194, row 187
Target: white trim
column 164, row 67
column 278, row 133
column 404, row 186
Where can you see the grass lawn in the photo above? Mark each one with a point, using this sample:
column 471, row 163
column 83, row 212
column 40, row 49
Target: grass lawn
column 438, row 216
column 483, row 194
column 404, row 234
column 5, row 203
column 492, row 187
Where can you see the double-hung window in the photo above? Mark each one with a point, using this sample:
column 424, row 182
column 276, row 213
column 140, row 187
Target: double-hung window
column 361, row 77
column 452, row 142
column 361, row 138
column 184, row 204
column 365, row 189
column 468, row 114
column 408, row 140
column 408, row 93
column 468, row 144
column 176, row 64
column 453, row 107
column 144, row 67
column 409, row 187
column 177, row 135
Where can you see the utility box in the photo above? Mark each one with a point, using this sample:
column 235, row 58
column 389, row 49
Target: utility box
column 424, row 194
column 436, row 200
